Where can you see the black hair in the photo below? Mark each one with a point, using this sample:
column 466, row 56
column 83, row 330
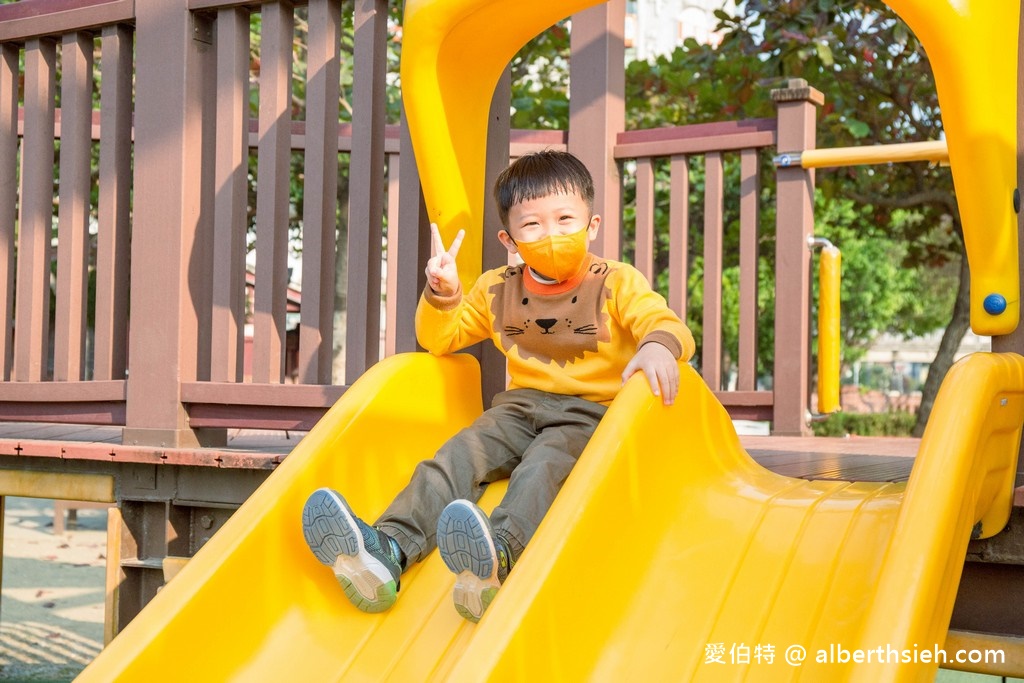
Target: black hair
column 540, row 174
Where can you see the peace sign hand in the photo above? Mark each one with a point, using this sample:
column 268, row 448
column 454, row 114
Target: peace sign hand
column 442, row 273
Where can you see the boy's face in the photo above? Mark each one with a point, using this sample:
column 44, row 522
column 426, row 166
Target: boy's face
column 553, row 214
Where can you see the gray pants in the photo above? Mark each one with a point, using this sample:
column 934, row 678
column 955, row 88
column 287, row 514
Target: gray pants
column 531, row 437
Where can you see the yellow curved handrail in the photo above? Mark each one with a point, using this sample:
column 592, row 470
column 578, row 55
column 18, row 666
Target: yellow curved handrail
column 972, row 46
column 453, row 55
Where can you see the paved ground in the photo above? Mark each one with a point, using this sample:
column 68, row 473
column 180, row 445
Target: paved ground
column 51, row 611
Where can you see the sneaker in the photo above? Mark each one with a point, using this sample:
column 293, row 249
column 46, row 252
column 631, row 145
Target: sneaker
column 365, row 559
column 478, row 557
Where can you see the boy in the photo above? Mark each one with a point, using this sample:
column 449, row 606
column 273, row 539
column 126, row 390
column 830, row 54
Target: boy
column 573, row 328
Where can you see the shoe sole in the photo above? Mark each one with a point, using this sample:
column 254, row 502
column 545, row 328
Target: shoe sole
column 332, row 534
column 466, row 543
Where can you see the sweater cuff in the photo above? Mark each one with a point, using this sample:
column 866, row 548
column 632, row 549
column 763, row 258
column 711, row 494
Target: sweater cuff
column 666, row 339
column 442, row 303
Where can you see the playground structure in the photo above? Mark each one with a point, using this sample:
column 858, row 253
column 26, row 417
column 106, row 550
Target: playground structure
column 164, row 411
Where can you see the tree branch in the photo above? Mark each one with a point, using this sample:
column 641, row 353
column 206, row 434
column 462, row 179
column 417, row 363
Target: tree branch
column 934, row 197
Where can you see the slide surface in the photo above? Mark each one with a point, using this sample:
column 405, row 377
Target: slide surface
column 668, row 549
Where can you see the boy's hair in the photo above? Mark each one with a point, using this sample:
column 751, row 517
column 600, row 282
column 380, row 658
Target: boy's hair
column 540, row 174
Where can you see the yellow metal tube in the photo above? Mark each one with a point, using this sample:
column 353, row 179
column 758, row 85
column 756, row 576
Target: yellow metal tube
column 932, row 150
column 829, row 277
column 98, row 488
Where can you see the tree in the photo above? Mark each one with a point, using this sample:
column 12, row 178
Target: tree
column 540, row 81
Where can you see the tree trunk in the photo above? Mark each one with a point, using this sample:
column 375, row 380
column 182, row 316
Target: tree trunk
column 951, row 338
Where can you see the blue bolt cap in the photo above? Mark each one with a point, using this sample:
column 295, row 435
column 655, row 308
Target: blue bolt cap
column 995, row 304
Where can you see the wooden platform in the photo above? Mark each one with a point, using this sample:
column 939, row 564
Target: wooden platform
column 245, row 448
column 871, row 459
column 843, row 459
column 846, row 459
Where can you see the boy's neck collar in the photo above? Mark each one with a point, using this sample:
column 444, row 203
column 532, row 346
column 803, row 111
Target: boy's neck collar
column 538, row 284
column 542, row 279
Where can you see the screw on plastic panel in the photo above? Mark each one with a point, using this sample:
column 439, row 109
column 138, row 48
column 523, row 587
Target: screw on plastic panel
column 994, row 304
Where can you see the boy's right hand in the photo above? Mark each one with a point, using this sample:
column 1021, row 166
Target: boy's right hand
column 442, row 274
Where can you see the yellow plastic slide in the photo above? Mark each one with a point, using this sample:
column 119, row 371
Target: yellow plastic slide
column 254, row 604
column 669, row 555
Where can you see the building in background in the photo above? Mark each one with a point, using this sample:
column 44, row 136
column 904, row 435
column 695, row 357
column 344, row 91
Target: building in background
column 657, row 27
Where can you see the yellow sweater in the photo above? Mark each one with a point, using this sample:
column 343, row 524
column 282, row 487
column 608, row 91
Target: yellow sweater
column 574, row 337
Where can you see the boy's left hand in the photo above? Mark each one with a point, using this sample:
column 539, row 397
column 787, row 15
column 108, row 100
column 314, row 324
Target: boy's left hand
column 661, row 369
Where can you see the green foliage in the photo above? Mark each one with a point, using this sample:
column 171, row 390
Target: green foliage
column 878, row 293
column 865, row 424
column 540, row 81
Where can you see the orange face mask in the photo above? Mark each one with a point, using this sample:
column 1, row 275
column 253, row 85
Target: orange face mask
column 557, row 257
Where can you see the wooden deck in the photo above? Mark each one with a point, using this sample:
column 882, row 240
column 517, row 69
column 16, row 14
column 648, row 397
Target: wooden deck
column 245, row 448
column 851, row 458
column 863, row 459
column 841, row 459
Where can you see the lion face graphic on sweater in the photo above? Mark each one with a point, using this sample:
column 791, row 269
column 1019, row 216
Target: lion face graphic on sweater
column 553, row 328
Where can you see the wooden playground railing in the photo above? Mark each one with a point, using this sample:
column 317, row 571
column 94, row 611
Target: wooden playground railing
column 710, row 143
column 162, row 228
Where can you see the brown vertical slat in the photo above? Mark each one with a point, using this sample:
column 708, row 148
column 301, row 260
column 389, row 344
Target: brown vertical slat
column 230, row 178
column 711, row 360
column 679, row 234
column 597, row 111
column 165, row 213
column 272, row 192
column 794, row 223
column 366, row 197
column 36, row 219
column 413, row 245
column 197, row 227
column 110, row 356
column 643, row 259
column 750, row 190
column 202, row 98
column 73, row 209
column 9, row 75
column 316, row 331
column 394, row 166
